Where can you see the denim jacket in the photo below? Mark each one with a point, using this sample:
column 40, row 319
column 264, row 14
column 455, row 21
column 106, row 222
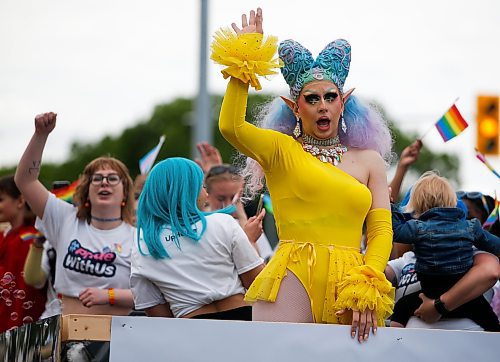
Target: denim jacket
column 443, row 239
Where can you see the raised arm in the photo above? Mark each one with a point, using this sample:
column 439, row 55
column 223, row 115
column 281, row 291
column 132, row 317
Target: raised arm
column 408, row 157
column 209, row 156
column 27, row 171
column 246, row 56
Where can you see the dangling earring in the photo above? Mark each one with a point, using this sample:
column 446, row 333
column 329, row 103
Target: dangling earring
column 342, row 123
column 87, row 203
column 297, row 131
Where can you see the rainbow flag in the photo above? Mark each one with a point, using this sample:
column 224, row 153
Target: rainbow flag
column 30, row 235
column 147, row 161
column 451, row 124
column 66, row 193
column 483, row 159
column 493, row 216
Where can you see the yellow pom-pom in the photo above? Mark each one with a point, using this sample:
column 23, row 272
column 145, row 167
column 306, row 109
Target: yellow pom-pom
column 245, row 56
column 366, row 288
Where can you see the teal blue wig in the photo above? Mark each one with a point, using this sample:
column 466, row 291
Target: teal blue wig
column 169, row 200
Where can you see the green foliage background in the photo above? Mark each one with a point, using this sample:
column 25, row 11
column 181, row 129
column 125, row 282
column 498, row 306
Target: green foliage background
column 173, row 120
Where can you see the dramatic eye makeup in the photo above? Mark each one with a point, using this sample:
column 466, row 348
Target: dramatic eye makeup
column 330, row 96
column 313, row 98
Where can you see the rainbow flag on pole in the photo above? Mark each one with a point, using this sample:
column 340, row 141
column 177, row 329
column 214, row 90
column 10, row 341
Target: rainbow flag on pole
column 451, row 124
column 493, row 216
column 147, row 161
column 483, row 159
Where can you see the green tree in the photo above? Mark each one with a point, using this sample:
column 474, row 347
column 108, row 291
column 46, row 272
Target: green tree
column 174, row 120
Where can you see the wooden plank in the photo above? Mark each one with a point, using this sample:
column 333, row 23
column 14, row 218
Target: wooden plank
column 80, row 327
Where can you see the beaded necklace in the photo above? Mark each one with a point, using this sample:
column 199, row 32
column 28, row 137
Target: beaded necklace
column 327, row 155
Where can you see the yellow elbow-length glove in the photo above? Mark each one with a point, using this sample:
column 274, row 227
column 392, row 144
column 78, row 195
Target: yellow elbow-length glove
column 366, row 287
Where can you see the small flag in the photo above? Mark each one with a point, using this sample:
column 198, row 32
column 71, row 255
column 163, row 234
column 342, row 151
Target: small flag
column 66, row 193
column 31, row 235
column 493, row 217
column 147, row 161
column 483, row 159
column 451, row 124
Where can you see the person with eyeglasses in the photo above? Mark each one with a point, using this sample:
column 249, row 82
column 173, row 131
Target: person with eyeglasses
column 189, row 263
column 322, row 157
column 93, row 238
column 443, row 242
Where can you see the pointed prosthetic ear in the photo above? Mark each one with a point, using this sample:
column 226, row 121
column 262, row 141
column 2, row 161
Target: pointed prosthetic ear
column 291, row 104
column 347, row 94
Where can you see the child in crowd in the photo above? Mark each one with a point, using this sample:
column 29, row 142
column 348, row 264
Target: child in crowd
column 443, row 243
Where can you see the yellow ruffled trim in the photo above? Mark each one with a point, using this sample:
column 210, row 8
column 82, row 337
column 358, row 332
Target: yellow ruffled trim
column 267, row 284
column 246, row 56
column 366, row 288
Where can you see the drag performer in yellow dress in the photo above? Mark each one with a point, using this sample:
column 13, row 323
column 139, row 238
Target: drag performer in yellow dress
column 322, row 158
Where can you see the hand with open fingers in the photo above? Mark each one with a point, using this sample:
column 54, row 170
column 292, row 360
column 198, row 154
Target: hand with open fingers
column 253, row 227
column 427, row 312
column 94, row 296
column 362, row 322
column 45, row 123
column 251, row 25
column 210, row 156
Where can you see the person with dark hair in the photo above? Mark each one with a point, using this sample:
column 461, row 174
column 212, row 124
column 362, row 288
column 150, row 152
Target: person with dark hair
column 323, row 160
column 188, row 263
column 19, row 303
column 93, row 238
column 479, row 206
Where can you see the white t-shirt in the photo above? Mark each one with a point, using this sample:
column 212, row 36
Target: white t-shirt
column 198, row 273
column 406, row 277
column 86, row 256
column 53, row 305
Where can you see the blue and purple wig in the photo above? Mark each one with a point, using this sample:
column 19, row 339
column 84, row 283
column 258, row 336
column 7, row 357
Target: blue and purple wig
column 366, row 129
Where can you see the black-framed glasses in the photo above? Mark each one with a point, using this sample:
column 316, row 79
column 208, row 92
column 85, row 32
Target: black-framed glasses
column 474, row 195
column 113, row 179
column 221, row 169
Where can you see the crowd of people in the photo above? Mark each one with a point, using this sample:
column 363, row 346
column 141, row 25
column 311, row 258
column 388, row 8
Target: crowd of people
column 179, row 243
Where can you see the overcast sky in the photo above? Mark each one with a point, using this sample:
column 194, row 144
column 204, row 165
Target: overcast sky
column 103, row 65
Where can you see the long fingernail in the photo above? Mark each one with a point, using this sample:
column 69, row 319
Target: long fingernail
column 353, row 334
column 366, row 336
column 374, row 331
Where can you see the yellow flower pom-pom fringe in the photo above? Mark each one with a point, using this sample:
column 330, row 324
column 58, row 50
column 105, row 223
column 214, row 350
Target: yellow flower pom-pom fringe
column 245, row 56
column 366, row 288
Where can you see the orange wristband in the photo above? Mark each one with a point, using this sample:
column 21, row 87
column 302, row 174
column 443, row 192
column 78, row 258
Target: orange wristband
column 111, row 296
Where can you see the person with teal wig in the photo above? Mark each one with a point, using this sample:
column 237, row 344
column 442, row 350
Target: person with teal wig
column 186, row 262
